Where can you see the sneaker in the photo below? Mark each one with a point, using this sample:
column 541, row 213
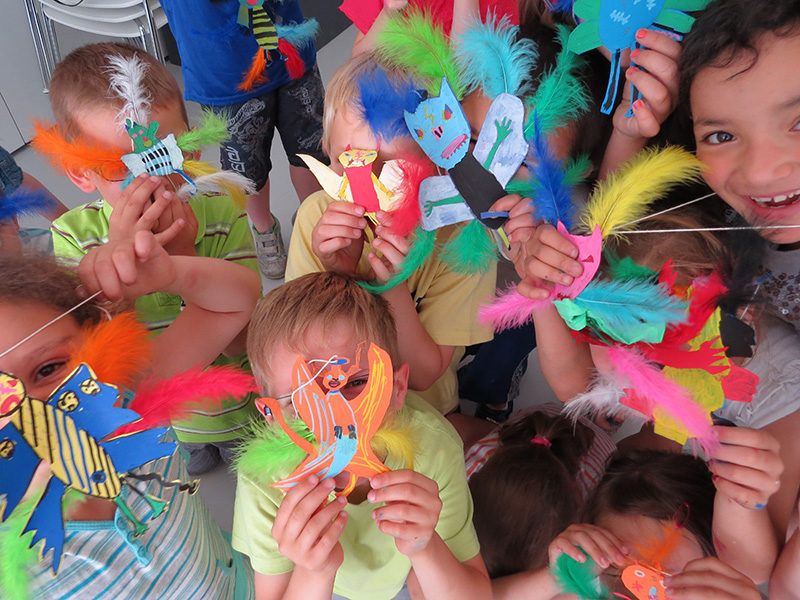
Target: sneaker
column 202, row 458
column 271, row 252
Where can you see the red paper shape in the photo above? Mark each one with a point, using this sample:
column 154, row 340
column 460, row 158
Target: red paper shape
column 739, row 384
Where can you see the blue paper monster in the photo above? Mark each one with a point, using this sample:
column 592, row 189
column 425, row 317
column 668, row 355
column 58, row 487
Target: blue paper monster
column 614, row 23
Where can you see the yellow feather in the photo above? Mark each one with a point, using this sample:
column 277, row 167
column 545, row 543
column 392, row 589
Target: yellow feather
column 198, row 168
column 627, row 194
column 395, row 442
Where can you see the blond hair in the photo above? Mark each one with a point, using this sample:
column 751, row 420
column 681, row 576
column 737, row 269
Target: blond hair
column 284, row 315
column 81, row 81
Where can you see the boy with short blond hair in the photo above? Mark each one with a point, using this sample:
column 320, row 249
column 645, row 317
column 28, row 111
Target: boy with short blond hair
column 401, row 526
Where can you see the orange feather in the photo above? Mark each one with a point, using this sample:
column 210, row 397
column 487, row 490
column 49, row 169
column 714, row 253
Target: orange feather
column 256, row 73
column 77, row 155
column 117, row 350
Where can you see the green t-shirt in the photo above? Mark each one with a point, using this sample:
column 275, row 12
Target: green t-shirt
column 373, row 568
column 222, row 232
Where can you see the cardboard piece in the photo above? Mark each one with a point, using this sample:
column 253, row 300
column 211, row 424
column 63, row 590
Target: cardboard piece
column 151, row 155
column 645, row 583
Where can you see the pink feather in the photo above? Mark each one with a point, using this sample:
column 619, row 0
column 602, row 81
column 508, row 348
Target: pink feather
column 510, row 309
column 159, row 402
column 651, row 385
column 405, row 218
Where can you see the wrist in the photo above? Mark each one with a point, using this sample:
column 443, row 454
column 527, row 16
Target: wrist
column 319, row 576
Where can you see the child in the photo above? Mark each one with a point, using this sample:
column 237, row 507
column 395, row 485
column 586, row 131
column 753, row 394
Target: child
column 210, row 226
column 215, row 53
column 183, row 551
column 302, row 545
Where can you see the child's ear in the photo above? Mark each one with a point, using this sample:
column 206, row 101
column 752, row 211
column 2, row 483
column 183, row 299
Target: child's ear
column 400, row 386
column 83, row 179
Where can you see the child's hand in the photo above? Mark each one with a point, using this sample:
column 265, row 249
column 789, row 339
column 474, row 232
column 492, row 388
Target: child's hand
column 657, row 80
column 519, row 226
column 338, row 237
column 710, row 579
column 747, row 466
column 600, row 544
column 546, row 257
column 183, row 242
column 127, row 268
column 139, row 208
column 411, row 511
column 394, row 249
column 308, row 527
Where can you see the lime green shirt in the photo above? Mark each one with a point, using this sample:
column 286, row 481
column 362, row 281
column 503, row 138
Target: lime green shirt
column 373, row 568
column 222, row 232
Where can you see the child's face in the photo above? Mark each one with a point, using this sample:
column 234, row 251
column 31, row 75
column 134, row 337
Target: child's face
column 747, row 127
column 100, row 126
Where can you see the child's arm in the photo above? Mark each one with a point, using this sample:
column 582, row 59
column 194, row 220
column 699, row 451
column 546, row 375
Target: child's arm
column 410, row 516
column 365, row 42
column 710, row 579
column 464, row 11
column 746, row 468
column 214, row 314
column 532, row 585
column 657, row 80
column 784, row 584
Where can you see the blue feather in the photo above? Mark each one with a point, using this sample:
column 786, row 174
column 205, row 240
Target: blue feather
column 383, row 102
column 552, row 193
column 492, row 58
column 298, row 34
column 23, row 202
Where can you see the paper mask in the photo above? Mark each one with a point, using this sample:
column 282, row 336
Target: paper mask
column 645, row 583
column 614, row 23
column 342, row 428
column 153, row 156
column 71, row 430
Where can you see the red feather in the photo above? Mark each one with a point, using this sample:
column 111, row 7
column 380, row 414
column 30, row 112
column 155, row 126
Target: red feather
column 406, row 217
column 159, row 402
column 294, row 64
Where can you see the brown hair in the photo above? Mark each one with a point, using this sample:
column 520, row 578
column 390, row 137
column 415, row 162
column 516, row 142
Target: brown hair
column 81, row 81
column 282, row 317
column 526, row 494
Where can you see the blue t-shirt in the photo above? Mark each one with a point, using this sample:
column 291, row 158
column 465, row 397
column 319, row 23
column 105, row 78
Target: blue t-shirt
column 216, row 51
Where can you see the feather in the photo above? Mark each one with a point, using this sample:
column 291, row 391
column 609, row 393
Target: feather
column 471, row 251
column 561, row 95
column 624, row 269
column 414, row 44
column 267, row 454
column 421, row 249
column 509, row 310
column 76, row 156
column 160, row 402
column 626, row 195
column 294, row 62
column 395, row 442
column 654, row 550
column 256, row 72
column 560, row 6
column 298, row 34
column 552, row 195
column 493, row 59
column 650, row 384
column 577, row 169
column 627, row 311
column 127, row 80
column 25, row 201
column 15, row 548
column 117, row 350
column 602, row 397
column 213, row 130
column 581, row 579
column 406, row 215
column 228, row 183
column 382, row 101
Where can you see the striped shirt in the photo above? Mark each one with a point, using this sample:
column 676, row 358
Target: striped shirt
column 593, row 464
column 222, row 232
column 183, row 555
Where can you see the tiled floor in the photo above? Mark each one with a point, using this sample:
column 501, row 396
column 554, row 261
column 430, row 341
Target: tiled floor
column 218, row 486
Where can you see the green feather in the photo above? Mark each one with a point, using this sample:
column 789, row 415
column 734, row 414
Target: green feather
column 522, row 187
column 413, row 42
column 212, row 131
column 16, row 553
column 623, row 269
column 577, row 169
column 420, row 250
column 471, row 251
column 580, row 579
column 561, row 95
column 267, row 453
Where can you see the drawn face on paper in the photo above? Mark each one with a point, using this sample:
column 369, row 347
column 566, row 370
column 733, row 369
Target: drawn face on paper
column 440, row 127
column 252, row 3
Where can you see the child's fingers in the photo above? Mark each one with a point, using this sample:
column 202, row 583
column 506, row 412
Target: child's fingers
column 533, row 289
column 404, row 492
column 744, row 436
column 751, row 493
column 657, row 41
column 403, row 512
column 403, row 244
column 293, row 498
column 327, row 231
column 86, row 272
column 656, row 94
column 542, row 267
column 648, row 124
column 765, row 461
column 107, row 277
column 381, row 271
column 411, row 532
column 329, row 538
column 124, row 260
column 333, row 245
column 319, row 522
column 402, row 476
column 343, row 208
column 549, row 236
column 506, row 203
column 563, row 546
column 171, row 232
column 392, row 254
column 600, row 545
column 709, row 578
column 661, row 66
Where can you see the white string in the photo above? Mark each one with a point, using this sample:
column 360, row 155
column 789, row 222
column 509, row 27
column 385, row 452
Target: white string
column 743, row 228
column 46, row 325
column 313, row 377
column 666, row 210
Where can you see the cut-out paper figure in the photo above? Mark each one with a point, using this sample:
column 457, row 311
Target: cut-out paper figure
column 614, row 23
column 72, row 430
column 153, row 156
column 342, row 428
column 645, row 583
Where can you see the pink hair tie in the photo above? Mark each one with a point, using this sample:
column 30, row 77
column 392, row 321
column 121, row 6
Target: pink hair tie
column 541, row 440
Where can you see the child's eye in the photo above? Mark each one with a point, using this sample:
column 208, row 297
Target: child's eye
column 796, row 126
column 719, row 137
column 357, row 382
column 49, row 369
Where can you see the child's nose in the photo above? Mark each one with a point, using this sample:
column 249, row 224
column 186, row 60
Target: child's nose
column 766, row 161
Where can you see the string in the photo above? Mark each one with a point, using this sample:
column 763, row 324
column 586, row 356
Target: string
column 666, row 210
column 312, row 378
column 46, row 325
column 742, row 228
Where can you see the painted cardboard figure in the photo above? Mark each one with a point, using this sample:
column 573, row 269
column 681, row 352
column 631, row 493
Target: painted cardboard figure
column 645, row 583
column 342, row 428
column 151, row 155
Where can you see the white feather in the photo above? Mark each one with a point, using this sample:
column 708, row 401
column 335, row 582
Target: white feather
column 602, row 397
column 127, row 81
column 217, row 182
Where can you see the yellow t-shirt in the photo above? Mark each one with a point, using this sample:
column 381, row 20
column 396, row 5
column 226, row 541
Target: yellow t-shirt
column 373, row 568
column 447, row 302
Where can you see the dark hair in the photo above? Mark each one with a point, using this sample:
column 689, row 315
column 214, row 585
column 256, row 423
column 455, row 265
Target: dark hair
column 659, row 485
column 729, row 27
column 526, row 494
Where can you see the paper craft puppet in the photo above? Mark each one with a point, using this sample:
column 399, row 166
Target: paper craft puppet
column 151, row 155
column 613, row 24
column 645, row 583
column 71, row 430
column 342, row 428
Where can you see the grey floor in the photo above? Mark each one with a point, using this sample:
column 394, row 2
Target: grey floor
column 217, row 487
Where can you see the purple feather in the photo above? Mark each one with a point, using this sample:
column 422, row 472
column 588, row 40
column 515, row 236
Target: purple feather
column 382, row 102
column 552, row 200
column 23, row 202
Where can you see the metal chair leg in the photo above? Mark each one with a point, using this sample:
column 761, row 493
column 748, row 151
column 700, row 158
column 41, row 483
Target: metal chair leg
column 35, row 27
column 50, row 29
column 151, row 24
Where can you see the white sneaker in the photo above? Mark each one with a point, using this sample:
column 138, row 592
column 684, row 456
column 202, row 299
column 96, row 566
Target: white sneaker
column 271, row 252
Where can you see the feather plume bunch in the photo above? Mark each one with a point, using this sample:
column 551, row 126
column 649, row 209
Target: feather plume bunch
column 602, row 397
column 298, row 34
column 472, row 251
column 294, row 62
column 509, row 310
column 406, row 214
column 16, row 550
column 382, row 101
column 255, row 74
column 578, row 578
column 210, row 180
column 395, row 441
column 493, row 59
column 76, row 155
column 212, row 130
column 415, row 44
column 626, row 195
column 126, row 80
column 25, row 201
column 267, row 454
